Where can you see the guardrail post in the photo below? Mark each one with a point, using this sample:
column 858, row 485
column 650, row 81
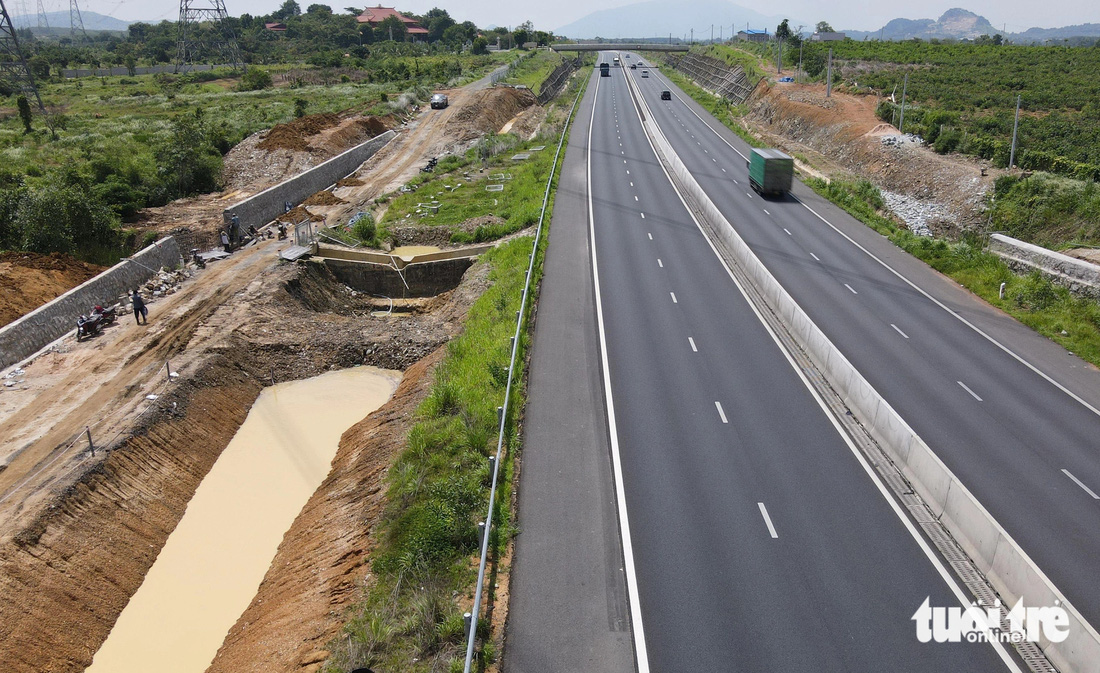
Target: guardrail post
column 481, row 532
column 467, row 620
column 492, row 464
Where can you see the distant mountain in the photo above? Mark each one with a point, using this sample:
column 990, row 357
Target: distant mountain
column 1041, row 35
column 659, row 18
column 960, row 24
column 59, row 21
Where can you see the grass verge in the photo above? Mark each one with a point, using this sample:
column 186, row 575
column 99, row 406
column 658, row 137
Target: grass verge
column 424, row 568
column 718, row 107
column 1049, row 309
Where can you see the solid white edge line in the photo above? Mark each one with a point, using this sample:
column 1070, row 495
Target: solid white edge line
column 640, row 655
column 898, row 329
column 1082, row 485
column 913, row 285
column 967, row 389
column 767, row 520
column 948, row 579
column 721, row 412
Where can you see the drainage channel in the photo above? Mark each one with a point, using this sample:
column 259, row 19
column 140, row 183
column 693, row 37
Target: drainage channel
column 213, row 563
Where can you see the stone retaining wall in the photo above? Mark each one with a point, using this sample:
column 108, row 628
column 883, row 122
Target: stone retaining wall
column 425, row 279
column 25, row 336
column 264, row 207
column 1080, row 277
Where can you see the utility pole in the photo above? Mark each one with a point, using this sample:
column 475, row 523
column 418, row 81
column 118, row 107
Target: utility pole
column 829, row 76
column 778, row 55
column 799, row 74
column 1015, row 127
column 904, row 87
column 692, row 36
column 13, row 65
column 189, row 41
column 712, row 33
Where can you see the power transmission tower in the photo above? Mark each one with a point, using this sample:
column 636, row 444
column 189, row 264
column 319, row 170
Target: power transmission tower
column 193, row 41
column 76, row 20
column 13, row 66
column 43, row 22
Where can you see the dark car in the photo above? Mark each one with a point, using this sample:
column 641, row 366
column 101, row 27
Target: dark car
column 439, row 101
column 633, row 66
column 666, row 95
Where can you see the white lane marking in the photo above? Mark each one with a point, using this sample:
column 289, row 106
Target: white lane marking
column 748, row 195
column 635, row 197
column 693, row 348
column 628, row 172
column 1011, row 353
column 788, row 231
column 898, row 329
column 1078, row 482
column 815, row 256
column 963, row 597
column 643, row 215
column 640, row 654
column 720, row 411
column 624, row 161
column 714, row 160
column 767, row 519
column 706, row 151
column 972, row 393
column 632, row 183
column 660, row 263
column 723, row 170
column 650, row 235
column 734, row 180
column 851, row 288
column 674, row 298
column 765, row 211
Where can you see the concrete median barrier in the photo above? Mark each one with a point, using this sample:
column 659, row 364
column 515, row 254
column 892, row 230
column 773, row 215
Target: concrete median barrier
column 1010, row 571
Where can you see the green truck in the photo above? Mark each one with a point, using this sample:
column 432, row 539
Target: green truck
column 770, row 171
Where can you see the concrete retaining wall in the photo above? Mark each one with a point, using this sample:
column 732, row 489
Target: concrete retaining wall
column 1080, row 277
column 25, row 336
column 264, row 207
column 1011, row 572
column 354, row 255
column 423, row 279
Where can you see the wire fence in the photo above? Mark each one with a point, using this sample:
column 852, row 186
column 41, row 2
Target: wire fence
column 503, row 411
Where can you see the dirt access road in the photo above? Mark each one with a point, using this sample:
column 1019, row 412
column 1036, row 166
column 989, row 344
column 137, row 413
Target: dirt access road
column 78, row 532
column 102, row 384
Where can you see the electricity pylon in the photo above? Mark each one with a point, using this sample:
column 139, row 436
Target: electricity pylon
column 13, row 66
column 194, row 42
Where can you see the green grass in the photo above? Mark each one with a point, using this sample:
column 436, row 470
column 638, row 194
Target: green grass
column 424, row 568
column 532, row 71
column 732, row 56
column 518, row 205
column 719, row 107
column 1048, row 309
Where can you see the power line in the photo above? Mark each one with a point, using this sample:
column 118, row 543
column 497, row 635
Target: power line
column 195, row 42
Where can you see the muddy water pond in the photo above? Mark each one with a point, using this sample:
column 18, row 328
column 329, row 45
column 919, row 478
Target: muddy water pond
column 214, row 561
column 407, row 252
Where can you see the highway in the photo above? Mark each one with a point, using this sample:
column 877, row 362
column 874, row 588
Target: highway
column 754, row 536
column 1023, row 445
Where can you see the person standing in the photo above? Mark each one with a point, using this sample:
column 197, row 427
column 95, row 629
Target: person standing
column 141, row 313
column 225, row 241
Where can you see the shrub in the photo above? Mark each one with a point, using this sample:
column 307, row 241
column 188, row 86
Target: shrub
column 365, row 229
column 255, row 79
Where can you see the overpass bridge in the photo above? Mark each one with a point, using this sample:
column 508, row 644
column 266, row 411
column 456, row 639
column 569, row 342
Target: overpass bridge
column 618, row 46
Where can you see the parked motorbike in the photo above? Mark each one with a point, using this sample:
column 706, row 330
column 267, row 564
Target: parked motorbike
column 94, row 322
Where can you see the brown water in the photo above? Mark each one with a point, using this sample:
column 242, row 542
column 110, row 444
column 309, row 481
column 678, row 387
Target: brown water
column 407, row 252
column 213, row 563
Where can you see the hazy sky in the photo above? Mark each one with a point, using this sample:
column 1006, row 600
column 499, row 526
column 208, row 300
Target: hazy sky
column 1017, row 14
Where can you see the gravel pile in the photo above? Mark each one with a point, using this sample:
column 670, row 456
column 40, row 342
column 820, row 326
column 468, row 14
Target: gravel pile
column 917, row 214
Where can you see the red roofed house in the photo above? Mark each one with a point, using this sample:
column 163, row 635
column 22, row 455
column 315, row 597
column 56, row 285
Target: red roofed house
column 376, row 15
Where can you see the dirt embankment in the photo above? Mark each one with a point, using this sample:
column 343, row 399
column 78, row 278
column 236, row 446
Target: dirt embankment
column 67, row 574
column 29, row 280
column 323, row 558
column 488, row 112
column 841, row 135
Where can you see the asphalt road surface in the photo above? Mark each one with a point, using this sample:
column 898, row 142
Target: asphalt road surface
column 1027, row 447
column 756, row 538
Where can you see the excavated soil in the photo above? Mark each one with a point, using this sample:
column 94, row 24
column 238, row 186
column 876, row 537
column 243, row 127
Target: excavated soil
column 29, row 280
column 841, row 135
column 489, row 112
column 67, row 572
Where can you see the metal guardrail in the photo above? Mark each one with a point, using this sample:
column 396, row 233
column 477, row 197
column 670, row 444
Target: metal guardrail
column 552, row 85
column 503, row 411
